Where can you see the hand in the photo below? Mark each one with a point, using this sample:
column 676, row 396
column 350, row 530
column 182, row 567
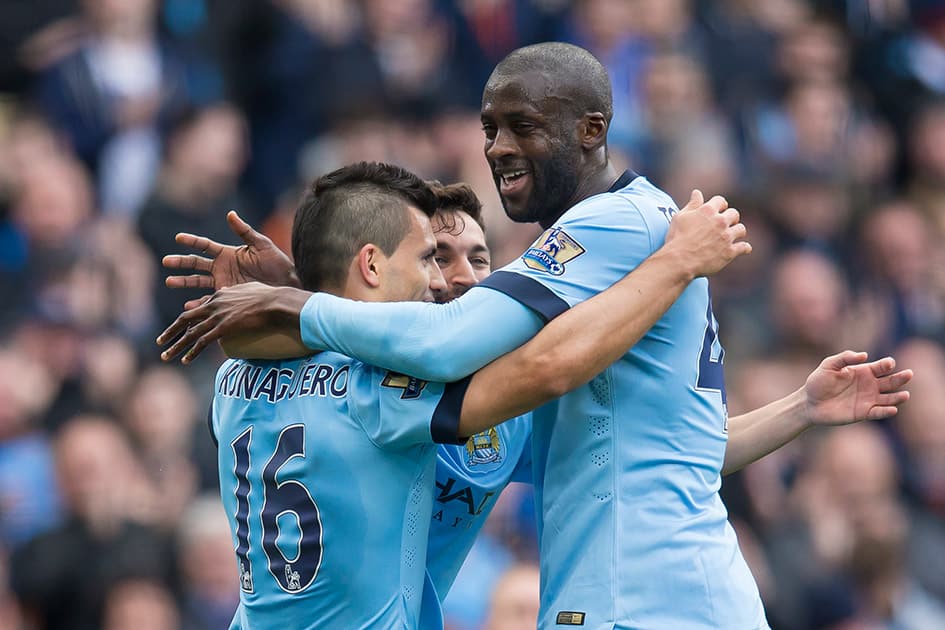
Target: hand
column 257, row 260
column 844, row 389
column 252, row 307
column 707, row 236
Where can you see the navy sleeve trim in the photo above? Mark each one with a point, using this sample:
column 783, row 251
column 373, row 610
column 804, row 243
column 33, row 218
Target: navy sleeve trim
column 529, row 292
column 213, row 436
column 444, row 427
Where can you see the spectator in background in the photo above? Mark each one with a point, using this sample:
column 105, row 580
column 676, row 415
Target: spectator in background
column 807, row 308
column 681, row 123
column 140, row 604
column 920, row 434
column 111, row 96
column 903, row 281
column 810, row 546
column 63, row 575
column 810, row 208
column 162, row 420
column 109, row 371
column 206, row 152
column 29, row 497
column 206, row 551
column 927, row 159
column 515, row 599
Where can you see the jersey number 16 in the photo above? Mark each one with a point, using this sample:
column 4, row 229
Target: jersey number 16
column 279, row 498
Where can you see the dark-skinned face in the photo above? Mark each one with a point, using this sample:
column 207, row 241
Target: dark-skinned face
column 532, row 146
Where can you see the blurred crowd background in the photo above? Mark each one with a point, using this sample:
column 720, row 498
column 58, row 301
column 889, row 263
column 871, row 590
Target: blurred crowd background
column 123, row 122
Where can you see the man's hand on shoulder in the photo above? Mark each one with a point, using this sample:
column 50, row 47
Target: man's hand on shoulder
column 257, row 260
column 239, row 312
column 704, row 237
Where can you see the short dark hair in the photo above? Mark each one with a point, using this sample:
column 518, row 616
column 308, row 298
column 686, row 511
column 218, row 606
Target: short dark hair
column 348, row 208
column 454, row 198
column 575, row 70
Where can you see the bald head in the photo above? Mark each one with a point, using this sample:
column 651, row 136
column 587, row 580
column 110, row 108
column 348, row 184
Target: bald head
column 545, row 114
column 575, row 75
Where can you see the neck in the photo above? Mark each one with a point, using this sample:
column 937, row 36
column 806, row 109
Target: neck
column 598, row 179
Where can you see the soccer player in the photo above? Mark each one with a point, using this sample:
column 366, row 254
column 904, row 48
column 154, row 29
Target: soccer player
column 627, row 468
column 470, row 476
column 326, row 462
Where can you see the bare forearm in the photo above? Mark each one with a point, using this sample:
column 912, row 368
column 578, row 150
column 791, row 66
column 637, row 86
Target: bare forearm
column 757, row 433
column 577, row 345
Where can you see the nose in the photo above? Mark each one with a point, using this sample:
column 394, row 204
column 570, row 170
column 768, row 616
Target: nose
column 437, row 282
column 462, row 274
column 502, row 145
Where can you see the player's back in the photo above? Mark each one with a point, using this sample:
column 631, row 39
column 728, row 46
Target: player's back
column 329, row 494
column 627, row 468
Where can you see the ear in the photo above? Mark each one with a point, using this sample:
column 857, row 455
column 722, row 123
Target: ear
column 368, row 263
column 593, row 130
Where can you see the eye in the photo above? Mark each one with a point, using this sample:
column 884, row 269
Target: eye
column 441, row 261
column 523, row 128
column 479, row 262
column 489, row 130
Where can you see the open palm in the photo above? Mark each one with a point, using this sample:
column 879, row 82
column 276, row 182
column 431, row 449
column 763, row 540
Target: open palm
column 845, row 389
column 257, row 260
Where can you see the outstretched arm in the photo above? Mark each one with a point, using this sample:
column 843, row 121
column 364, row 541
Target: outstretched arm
column 583, row 342
column 432, row 342
column 844, row 389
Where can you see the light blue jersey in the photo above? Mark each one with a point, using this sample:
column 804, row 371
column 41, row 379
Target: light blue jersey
column 326, row 472
column 469, row 479
column 627, row 469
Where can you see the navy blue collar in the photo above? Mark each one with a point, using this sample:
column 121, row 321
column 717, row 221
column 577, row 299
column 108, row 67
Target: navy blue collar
column 623, row 181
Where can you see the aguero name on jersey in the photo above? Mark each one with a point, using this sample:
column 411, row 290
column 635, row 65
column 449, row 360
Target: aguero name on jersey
column 469, row 479
column 326, row 473
column 627, row 468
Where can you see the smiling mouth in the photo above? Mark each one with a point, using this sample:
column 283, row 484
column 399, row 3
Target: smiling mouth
column 512, row 182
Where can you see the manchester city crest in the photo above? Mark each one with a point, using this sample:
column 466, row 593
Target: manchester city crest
column 483, row 448
column 551, row 251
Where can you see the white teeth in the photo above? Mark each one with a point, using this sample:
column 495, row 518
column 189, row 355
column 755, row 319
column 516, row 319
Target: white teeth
column 508, row 177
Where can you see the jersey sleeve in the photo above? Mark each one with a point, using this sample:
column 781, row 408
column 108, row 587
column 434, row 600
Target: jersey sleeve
column 591, row 247
column 398, row 411
column 523, row 468
column 434, row 342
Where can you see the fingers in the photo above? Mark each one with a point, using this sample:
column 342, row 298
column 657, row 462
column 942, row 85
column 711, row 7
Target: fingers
column 243, row 229
column 187, row 261
column 880, row 413
column 178, row 326
column 695, row 200
column 895, row 381
column 193, row 281
column 739, row 231
column 190, row 305
column 742, row 248
column 202, row 342
column 892, row 400
column 845, row 358
column 200, row 243
column 731, row 216
column 190, row 337
column 883, row 366
column 715, row 205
